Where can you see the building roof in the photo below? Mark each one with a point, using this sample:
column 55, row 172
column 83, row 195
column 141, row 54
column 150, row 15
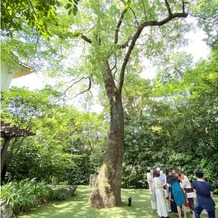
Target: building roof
column 22, row 69
column 8, row 131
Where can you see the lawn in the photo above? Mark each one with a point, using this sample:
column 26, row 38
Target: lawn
column 77, row 207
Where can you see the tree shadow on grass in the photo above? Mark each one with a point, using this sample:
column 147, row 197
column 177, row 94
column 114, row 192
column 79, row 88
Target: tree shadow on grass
column 77, row 207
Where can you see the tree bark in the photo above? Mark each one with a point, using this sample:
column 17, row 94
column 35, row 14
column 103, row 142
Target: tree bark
column 4, row 150
column 107, row 190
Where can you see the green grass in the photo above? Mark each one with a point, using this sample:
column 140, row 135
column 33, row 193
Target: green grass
column 77, row 207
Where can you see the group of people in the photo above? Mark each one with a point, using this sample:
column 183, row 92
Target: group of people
column 173, row 193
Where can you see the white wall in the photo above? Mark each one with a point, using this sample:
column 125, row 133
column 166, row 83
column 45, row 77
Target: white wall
column 7, row 73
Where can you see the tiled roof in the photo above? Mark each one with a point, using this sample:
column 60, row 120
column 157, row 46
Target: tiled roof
column 24, row 69
column 8, row 131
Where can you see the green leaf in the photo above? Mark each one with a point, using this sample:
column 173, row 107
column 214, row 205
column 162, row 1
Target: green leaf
column 68, row 5
column 75, row 10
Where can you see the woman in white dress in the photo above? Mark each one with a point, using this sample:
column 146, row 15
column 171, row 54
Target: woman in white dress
column 159, row 192
column 150, row 179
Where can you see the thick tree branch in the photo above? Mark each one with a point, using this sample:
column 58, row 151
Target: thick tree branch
column 168, row 7
column 136, row 35
column 109, row 83
column 119, row 25
column 114, row 67
column 183, row 6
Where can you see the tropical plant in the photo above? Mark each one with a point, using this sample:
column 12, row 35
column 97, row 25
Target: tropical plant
column 23, row 195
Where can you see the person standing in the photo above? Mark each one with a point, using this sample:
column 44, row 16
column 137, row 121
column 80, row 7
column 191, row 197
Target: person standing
column 159, row 192
column 150, row 180
column 172, row 204
column 163, row 179
column 179, row 196
column 204, row 194
column 186, row 185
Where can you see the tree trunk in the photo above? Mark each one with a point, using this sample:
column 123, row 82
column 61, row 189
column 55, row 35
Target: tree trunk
column 4, row 150
column 107, row 190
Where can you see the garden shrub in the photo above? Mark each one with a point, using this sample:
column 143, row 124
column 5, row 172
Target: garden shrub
column 23, row 195
column 79, row 174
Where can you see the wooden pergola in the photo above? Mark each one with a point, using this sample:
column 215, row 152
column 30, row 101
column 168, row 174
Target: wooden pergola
column 7, row 132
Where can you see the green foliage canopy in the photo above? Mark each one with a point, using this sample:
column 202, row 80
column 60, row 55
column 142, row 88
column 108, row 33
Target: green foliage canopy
column 18, row 15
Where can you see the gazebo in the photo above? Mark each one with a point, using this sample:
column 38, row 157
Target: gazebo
column 8, row 132
column 12, row 70
column 9, row 71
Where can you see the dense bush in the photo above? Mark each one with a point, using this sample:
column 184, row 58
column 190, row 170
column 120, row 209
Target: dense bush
column 35, row 161
column 140, row 144
column 23, row 195
column 32, row 161
column 80, row 173
column 134, row 178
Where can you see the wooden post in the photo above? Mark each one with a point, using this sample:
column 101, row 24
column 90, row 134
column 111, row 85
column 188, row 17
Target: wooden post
column 4, row 150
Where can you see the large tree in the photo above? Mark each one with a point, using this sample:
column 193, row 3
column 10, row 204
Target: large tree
column 113, row 31
column 118, row 34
